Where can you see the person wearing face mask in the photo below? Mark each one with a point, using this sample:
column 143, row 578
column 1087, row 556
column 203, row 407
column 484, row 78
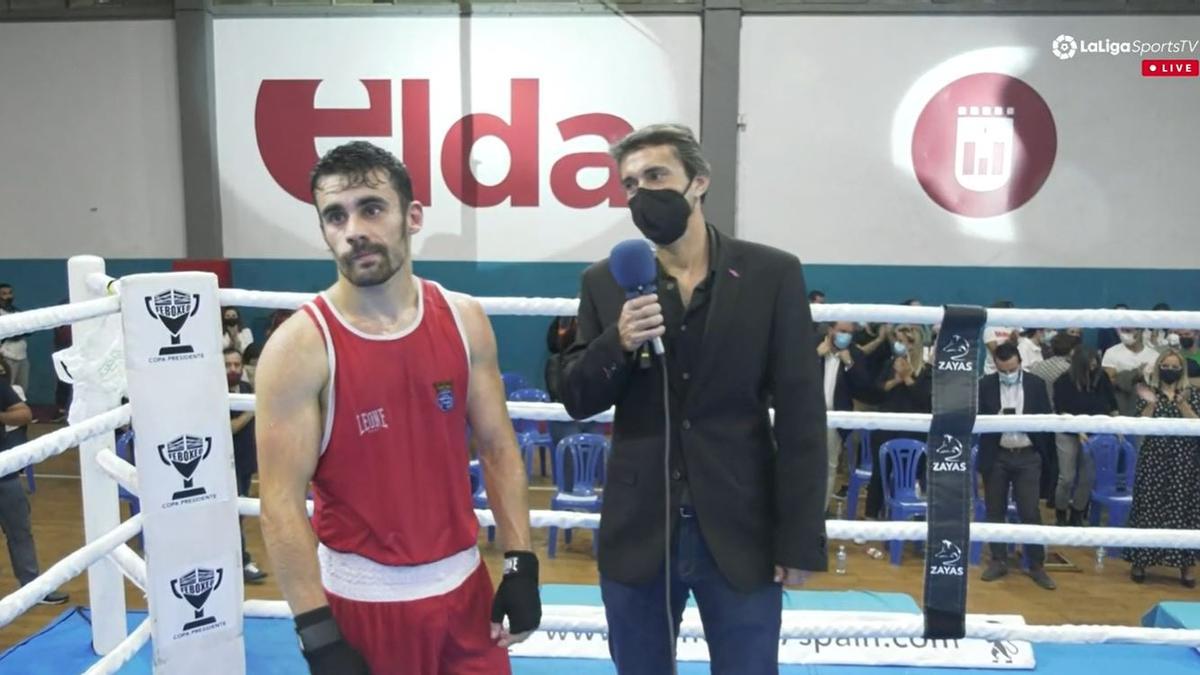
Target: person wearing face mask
column 245, row 454
column 233, row 334
column 1084, row 390
column 1014, row 460
column 744, row 499
column 1031, row 343
column 1166, row 485
column 845, row 369
column 14, row 349
column 905, row 386
column 1191, row 354
column 1128, row 364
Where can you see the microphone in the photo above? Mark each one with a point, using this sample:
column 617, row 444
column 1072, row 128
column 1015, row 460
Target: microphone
column 632, row 265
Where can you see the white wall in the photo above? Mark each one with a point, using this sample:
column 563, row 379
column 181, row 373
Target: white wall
column 826, row 160
column 89, row 140
column 632, row 71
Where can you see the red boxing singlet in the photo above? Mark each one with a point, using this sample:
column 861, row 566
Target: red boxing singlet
column 392, row 483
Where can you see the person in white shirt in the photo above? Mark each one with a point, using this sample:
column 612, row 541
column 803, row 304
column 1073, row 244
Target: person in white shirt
column 1128, row 364
column 994, row 336
column 14, row 350
column 233, row 334
column 1031, row 346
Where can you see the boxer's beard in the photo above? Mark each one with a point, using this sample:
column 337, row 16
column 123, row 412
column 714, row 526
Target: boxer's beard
column 379, row 273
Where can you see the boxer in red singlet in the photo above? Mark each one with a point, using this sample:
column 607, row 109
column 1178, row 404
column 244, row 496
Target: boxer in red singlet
column 367, row 393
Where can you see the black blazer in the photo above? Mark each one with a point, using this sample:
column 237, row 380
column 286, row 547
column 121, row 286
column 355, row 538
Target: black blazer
column 850, row 383
column 758, row 490
column 1037, row 402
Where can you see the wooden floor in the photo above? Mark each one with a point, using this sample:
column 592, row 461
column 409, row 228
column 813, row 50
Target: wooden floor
column 1084, row 596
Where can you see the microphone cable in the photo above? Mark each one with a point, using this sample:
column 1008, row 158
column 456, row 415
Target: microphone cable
column 667, row 497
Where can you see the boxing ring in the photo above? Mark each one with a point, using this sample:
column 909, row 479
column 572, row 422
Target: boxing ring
column 111, row 319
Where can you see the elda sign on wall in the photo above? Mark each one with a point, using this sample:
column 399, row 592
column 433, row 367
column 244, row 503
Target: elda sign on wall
column 287, row 124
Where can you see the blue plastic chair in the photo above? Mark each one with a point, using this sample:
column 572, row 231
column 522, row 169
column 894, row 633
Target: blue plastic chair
column 899, row 460
column 860, row 472
column 586, row 455
column 1116, row 465
column 532, row 434
column 513, row 382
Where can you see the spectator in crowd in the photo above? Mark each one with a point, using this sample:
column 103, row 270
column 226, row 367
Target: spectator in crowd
column 1014, row 460
column 816, row 297
column 245, row 453
column 845, row 375
column 1049, row 370
column 994, row 336
column 275, row 321
column 906, row 386
column 250, row 362
column 1158, row 339
column 1031, row 343
column 233, row 334
column 560, row 334
column 875, row 341
column 1128, row 364
column 927, row 333
column 15, row 515
column 1084, row 390
column 1166, row 488
column 1191, row 354
column 1108, row 337
column 14, row 350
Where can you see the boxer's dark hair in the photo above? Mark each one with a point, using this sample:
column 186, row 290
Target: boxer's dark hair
column 356, row 161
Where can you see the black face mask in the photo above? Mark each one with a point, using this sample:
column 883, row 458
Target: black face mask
column 1187, row 342
column 661, row 215
column 231, row 322
column 1170, row 375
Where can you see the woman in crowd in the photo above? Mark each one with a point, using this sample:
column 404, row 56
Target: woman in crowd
column 905, row 386
column 1166, row 489
column 1083, row 390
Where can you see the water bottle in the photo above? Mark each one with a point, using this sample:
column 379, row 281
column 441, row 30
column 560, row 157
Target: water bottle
column 841, row 560
column 1100, row 554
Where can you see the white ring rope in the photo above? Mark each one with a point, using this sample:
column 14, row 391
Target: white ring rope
column 33, row 320
column 119, row 470
column 847, row 530
column 16, row 603
column 123, row 652
column 862, row 313
column 1099, row 424
column 59, row 441
column 132, row 565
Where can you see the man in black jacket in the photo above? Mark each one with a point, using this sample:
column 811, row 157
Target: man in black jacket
column 745, row 501
column 845, row 377
column 1014, row 459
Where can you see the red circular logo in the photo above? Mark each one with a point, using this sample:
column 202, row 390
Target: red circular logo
column 984, row 145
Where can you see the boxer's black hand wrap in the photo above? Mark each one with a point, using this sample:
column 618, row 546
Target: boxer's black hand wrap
column 517, row 597
column 323, row 647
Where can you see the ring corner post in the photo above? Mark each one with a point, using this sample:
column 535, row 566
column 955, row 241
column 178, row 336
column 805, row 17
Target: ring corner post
column 101, row 506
